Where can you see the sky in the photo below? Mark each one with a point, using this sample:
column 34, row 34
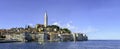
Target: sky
column 98, row 19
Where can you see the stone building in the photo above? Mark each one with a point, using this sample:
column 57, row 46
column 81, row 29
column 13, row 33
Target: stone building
column 17, row 37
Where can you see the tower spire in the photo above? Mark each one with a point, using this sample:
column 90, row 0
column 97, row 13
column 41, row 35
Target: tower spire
column 45, row 19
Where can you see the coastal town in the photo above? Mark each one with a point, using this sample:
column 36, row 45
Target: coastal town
column 40, row 32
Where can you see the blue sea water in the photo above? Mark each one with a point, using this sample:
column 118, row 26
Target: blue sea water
column 91, row 44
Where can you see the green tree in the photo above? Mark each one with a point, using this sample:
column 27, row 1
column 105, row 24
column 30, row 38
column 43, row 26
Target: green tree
column 66, row 30
column 53, row 27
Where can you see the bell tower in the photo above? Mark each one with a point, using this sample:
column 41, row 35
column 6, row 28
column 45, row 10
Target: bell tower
column 45, row 20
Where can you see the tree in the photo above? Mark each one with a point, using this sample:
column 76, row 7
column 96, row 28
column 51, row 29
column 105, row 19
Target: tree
column 53, row 27
column 66, row 30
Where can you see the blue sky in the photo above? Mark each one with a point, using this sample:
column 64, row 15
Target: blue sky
column 99, row 19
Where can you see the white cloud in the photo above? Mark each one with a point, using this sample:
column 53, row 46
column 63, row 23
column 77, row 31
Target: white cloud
column 73, row 28
column 90, row 29
column 32, row 25
column 56, row 23
column 66, row 25
column 69, row 25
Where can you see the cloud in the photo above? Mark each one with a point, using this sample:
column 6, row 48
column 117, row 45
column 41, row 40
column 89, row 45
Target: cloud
column 73, row 28
column 90, row 29
column 56, row 23
column 69, row 25
column 66, row 25
column 30, row 24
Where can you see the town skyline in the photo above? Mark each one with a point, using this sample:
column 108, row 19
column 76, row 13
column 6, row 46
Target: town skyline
column 97, row 19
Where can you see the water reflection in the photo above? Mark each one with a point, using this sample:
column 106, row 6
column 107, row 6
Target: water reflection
column 63, row 45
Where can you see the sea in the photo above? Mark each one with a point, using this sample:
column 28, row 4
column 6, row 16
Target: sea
column 90, row 44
